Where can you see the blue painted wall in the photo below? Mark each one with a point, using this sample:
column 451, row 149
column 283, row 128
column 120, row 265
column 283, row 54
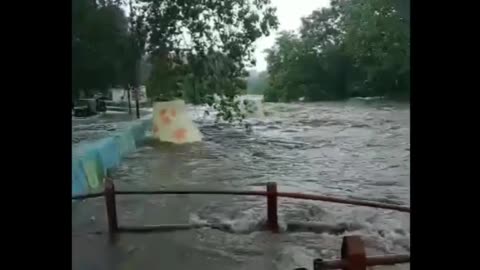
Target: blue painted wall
column 90, row 160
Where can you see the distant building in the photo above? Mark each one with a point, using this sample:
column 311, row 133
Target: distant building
column 118, row 94
column 121, row 95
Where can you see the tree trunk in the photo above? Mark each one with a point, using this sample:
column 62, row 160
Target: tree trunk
column 137, row 103
column 129, row 100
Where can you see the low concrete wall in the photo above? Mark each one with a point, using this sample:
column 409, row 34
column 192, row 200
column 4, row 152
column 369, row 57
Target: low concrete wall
column 91, row 160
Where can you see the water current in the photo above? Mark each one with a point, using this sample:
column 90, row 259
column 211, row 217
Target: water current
column 356, row 149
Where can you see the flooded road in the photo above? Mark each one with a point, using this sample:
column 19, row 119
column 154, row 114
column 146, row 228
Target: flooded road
column 101, row 125
column 356, row 149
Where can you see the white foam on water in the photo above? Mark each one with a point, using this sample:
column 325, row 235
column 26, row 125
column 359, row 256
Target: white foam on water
column 292, row 257
column 247, row 221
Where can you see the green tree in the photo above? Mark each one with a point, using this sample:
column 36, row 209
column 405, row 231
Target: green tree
column 284, row 68
column 352, row 48
column 100, row 44
column 379, row 41
column 208, row 42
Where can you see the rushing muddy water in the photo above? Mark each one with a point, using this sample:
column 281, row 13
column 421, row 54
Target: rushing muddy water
column 355, row 149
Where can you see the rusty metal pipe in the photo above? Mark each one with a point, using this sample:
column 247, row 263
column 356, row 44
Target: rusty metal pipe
column 258, row 193
column 159, row 228
column 279, row 194
column 371, row 261
column 343, row 201
column 206, row 192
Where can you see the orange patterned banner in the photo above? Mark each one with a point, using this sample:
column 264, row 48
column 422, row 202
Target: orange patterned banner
column 171, row 123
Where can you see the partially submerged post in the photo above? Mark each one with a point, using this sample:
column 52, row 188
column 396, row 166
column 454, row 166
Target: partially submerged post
column 272, row 218
column 354, row 257
column 353, row 252
column 111, row 207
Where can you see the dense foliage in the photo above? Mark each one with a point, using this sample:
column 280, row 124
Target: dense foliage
column 199, row 48
column 352, row 48
column 104, row 52
column 194, row 48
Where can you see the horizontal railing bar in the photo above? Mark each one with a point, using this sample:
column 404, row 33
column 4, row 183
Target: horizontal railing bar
column 371, row 261
column 279, row 194
column 162, row 228
column 206, row 192
column 388, row 260
column 291, row 227
column 343, row 201
column 256, row 193
column 86, row 196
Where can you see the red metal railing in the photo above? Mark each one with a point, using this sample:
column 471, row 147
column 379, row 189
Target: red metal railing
column 353, row 252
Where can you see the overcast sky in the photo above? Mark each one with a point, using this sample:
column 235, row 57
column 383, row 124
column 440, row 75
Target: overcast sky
column 289, row 13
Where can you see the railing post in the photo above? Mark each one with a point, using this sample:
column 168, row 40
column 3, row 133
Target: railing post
column 111, row 206
column 353, row 252
column 318, row 264
column 272, row 219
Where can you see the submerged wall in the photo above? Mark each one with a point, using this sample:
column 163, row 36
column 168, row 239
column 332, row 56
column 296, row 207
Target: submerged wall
column 91, row 160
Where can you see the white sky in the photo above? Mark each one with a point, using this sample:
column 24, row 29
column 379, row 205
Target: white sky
column 289, row 13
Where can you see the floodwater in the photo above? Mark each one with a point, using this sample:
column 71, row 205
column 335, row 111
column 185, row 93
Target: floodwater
column 356, row 149
column 101, row 125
